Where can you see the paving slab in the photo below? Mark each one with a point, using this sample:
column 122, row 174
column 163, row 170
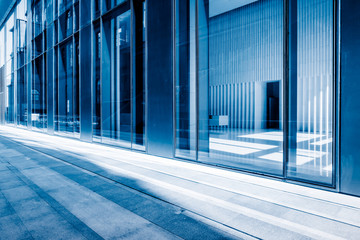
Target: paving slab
column 60, row 188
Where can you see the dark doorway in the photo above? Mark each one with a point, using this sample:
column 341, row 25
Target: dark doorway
column 272, row 99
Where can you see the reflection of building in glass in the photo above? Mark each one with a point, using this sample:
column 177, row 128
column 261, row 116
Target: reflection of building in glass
column 245, row 84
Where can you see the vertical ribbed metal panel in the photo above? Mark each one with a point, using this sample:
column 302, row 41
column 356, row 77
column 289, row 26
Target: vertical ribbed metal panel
column 245, row 47
column 244, row 50
column 315, row 46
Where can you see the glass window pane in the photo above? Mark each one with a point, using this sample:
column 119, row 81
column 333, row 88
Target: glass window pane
column 311, row 97
column 9, row 71
column 38, row 113
column 65, row 88
column 186, row 133
column 96, row 82
column 240, row 84
column 37, row 18
column 66, row 24
column 21, row 97
column 9, row 101
column 139, row 78
column 116, row 94
column 96, row 8
column 56, row 91
column 76, row 87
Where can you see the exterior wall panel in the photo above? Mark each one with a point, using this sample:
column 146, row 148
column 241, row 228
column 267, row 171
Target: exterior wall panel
column 85, row 84
column 160, row 79
column 350, row 101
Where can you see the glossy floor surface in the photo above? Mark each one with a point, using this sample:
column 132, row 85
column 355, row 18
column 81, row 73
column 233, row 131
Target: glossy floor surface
column 58, row 188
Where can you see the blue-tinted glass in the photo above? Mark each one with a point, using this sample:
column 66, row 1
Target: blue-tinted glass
column 21, row 97
column 240, row 84
column 38, row 114
column 9, row 71
column 96, row 103
column 65, row 88
column 64, row 5
column 116, row 94
column 186, row 132
column 140, row 76
column 311, row 94
column 56, row 91
column 96, row 8
column 66, row 24
column 37, row 18
column 76, row 87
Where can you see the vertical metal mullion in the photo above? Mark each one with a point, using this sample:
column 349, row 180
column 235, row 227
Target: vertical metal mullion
column 132, row 68
column 285, row 85
column 336, row 96
column 197, row 78
column 73, row 75
column 74, row 65
column 92, row 66
column 79, row 70
column 101, row 50
column 146, row 77
column 15, row 48
column 174, row 75
column 29, row 66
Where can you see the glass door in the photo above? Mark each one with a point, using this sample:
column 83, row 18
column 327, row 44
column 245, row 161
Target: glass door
column 119, row 86
column 116, row 80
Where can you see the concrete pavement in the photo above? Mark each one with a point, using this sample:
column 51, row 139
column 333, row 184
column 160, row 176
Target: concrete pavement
column 58, row 188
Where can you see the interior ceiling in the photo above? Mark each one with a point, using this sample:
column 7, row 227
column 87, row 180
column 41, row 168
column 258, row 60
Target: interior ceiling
column 217, row 7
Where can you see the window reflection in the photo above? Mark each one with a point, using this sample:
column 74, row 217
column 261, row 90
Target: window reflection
column 229, row 81
column 239, row 73
column 9, row 71
column 66, row 89
column 138, row 112
column 96, row 83
column 311, row 99
column 186, row 133
column 38, row 114
column 244, row 71
column 116, row 98
column 22, row 80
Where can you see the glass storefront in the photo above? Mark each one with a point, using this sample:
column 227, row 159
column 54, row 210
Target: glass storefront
column 235, row 101
column 238, row 80
column 229, row 87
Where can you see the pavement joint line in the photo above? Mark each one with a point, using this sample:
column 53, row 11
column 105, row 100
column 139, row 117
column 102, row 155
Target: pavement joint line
column 84, row 230
column 127, row 186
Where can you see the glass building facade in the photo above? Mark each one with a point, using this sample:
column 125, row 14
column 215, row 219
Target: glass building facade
column 250, row 85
